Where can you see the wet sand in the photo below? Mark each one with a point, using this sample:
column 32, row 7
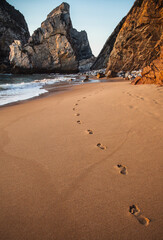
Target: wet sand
column 83, row 164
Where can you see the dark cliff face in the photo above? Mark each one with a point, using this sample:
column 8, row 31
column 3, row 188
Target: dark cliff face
column 102, row 59
column 54, row 47
column 12, row 27
column 139, row 40
column 80, row 44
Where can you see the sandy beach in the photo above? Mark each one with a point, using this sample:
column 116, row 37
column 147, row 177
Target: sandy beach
column 74, row 164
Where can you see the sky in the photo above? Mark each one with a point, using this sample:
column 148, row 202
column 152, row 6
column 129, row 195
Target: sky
column 97, row 17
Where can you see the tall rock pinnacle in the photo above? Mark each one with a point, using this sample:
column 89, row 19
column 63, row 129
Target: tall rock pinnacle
column 54, row 47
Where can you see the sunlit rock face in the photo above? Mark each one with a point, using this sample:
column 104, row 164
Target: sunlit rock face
column 152, row 74
column 138, row 42
column 12, row 27
column 54, row 47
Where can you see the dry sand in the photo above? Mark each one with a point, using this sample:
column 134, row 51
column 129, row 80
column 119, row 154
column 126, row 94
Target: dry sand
column 57, row 184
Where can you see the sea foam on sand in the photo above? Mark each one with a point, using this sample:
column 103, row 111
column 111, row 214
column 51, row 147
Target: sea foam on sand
column 13, row 92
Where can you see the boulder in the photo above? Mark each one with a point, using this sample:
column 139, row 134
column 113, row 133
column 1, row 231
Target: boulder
column 12, row 27
column 86, row 79
column 54, row 47
column 100, row 75
column 111, row 74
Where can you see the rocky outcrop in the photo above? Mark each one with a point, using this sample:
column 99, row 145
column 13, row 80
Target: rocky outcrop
column 12, row 27
column 86, row 64
column 152, row 74
column 136, row 45
column 102, row 59
column 100, row 75
column 54, row 47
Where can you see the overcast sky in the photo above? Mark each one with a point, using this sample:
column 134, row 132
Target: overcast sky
column 97, row 17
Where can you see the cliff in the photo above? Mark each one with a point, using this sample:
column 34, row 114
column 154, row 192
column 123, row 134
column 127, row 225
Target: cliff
column 136, row 45
column 152, row 74
column 54, row 47
column 102, row 59
column 12, row 27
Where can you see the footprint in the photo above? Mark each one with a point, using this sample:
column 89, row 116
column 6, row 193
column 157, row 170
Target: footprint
column 155, row 101
column 141, row 98
column 79, row 122
column 89, row 131
column 131, row 106
column 73, row 109
column 102, row 147
column 76, row 104
column 84, row 97
column 137, row 213
column 123, row 169
column 134, row 210
column 77, row 114
column 129, row 94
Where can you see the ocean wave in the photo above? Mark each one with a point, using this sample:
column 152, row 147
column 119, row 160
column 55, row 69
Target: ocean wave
column 34, row 83
column 13, row 92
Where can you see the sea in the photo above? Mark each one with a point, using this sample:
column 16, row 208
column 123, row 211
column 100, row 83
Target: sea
column 16, row 88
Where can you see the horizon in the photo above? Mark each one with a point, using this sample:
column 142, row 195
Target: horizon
column 109, row 14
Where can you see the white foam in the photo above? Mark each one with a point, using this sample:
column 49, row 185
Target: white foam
column 14, row 95
column 25, row 90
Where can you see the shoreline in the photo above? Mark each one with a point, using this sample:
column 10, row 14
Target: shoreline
column 73, row 164
column 61, row 87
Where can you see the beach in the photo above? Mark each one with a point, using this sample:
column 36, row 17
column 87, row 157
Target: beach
column 73, row 164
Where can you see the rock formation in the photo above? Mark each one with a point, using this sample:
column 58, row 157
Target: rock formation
column 136, row 45
column 152, row 74
column 102, row 59
column 86, row 64
column 54, row 47
column 12, row 27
